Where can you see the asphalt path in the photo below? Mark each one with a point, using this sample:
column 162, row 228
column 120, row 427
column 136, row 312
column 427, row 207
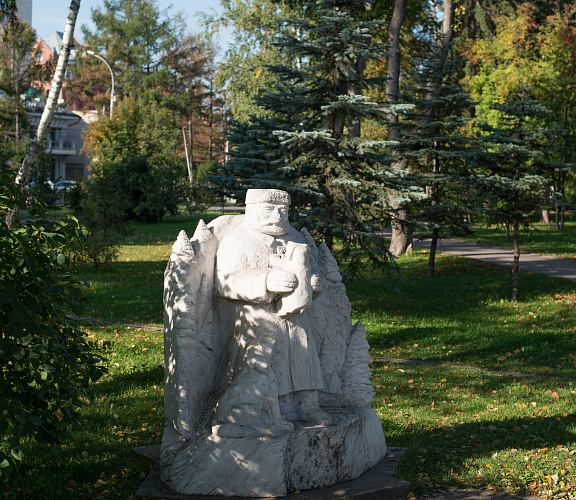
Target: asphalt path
column 531, row 262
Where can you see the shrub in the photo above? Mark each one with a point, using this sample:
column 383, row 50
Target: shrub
column 46, row 363
column 103, row 212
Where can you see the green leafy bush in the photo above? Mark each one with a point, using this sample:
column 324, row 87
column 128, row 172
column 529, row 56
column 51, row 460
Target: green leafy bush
column 46, row 363
column 103, row 212
column 203, row 192
column 137, row 150
column 151, row 191
column 41, row 189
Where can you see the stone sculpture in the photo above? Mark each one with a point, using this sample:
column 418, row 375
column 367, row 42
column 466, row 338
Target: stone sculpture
column 267, row 387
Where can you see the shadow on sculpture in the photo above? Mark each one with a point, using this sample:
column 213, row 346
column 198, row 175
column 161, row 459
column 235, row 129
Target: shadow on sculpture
column 267, row 382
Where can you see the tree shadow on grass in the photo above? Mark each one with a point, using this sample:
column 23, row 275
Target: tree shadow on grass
column 435, row 458
column 550, row 353
column 537, row 441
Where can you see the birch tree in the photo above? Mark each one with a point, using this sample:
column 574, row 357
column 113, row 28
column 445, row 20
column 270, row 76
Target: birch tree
column 49, row 109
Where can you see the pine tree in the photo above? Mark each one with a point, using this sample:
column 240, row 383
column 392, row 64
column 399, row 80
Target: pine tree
column 514, row 168
column 311, row 148
column 437, row 148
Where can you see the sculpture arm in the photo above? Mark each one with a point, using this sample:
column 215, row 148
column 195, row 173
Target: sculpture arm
column 247, row 284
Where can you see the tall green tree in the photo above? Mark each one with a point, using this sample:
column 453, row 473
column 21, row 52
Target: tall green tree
column 436, row 144
column 244, row 70
column 20, row 71
column 136, row 149
column 514, row 168
column 137, row 39
column 310, row 146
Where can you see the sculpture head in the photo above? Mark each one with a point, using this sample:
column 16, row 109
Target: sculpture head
column 267, row 211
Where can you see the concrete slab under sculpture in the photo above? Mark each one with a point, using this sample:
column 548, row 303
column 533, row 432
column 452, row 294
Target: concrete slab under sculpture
column 267, row 386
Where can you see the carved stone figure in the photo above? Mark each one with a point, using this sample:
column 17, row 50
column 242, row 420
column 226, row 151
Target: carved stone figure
column 267, row 385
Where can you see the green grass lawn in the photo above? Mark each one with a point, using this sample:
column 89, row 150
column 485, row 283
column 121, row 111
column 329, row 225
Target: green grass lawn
column 462, row 428
column 540, row 239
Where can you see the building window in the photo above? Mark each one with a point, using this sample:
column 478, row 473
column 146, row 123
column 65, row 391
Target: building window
column 74, row 171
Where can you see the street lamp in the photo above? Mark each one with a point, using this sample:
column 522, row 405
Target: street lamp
column 92, row 53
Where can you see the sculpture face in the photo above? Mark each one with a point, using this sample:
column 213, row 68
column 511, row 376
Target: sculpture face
column 268, row 218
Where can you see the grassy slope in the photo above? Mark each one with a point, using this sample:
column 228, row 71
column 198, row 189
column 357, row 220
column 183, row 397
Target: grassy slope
column 462, row 428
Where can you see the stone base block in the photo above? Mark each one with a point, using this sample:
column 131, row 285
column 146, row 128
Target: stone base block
column 310, row 457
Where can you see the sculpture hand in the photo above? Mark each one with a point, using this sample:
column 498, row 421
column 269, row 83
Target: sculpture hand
column 317, row 285
column 279, row 281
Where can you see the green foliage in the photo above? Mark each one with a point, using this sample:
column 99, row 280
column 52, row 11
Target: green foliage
column 514, row 168
column 40, row 187
column 244, row 71
column 311, row 145
column 102, row 211
column 135, row 151
column 202, row 192
column 7, row 10
column 135, row 37
column 515, row 164
column 46, row 363
column 437, row 147
column 20, row 71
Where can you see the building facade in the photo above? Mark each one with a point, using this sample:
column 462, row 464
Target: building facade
column 24, row 8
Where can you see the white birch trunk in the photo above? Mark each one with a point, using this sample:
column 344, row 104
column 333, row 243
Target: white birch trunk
column 50, row 108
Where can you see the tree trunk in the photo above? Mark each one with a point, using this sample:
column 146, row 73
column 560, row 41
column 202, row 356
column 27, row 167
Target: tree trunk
column 401, row 241
column 556, row 216
column 432, row 256
column 50, row 107
column 507, row 226
column 516, row 265
column 394, row 58
column 562, row 218
column 546, row 217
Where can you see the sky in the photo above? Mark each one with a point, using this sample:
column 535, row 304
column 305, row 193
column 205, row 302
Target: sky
column 50, row 15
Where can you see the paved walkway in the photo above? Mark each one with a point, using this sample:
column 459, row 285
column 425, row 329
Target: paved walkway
column 532, row 262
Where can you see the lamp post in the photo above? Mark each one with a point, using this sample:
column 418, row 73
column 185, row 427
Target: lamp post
column 92, row 53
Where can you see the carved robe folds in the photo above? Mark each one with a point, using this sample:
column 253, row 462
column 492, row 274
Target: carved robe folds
column 236, row 359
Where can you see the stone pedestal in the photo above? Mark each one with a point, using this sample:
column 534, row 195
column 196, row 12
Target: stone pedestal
column 309, row 457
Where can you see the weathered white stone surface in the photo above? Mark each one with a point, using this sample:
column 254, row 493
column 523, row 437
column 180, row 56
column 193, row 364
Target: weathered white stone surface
column 267, row 382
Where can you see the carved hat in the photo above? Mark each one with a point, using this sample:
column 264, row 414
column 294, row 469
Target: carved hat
column 267, row 196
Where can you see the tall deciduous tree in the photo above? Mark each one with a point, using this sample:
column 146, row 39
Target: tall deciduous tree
column 243, row 72
column 20, row 69
column 50, row 107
